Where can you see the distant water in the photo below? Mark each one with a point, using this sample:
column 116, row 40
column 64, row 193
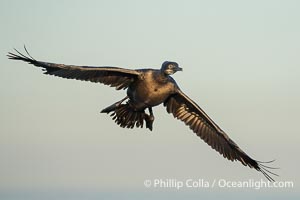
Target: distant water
column 141, row 195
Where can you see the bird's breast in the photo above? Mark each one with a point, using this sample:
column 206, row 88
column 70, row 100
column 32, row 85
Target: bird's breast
column 150, row 91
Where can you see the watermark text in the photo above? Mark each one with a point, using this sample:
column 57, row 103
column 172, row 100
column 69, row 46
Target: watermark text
column 216, row 183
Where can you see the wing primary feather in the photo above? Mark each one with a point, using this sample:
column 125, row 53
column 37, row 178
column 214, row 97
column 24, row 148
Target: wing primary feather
column 20, row 54
column 266, row 161
column 28, row 53
column 269, row 167
column 269, row 171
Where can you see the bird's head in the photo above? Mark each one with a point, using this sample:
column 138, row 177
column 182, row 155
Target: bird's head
column 169, row 68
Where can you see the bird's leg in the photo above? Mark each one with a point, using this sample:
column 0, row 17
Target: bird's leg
column 149, row 119
column 114, row 106
column 151, row 114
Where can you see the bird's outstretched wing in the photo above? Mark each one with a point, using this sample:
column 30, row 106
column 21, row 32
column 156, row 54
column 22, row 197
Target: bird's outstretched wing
column 113, row 76
column 186, row 110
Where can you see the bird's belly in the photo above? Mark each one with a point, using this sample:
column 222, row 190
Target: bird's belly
column 154, row 98
column 149, row 96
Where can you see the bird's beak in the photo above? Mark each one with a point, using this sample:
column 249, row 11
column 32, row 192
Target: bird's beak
column 179, row 69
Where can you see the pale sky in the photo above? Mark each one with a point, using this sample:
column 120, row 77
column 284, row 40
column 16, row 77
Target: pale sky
column 241, row 65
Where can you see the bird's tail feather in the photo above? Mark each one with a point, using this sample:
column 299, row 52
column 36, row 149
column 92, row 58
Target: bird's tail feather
column 126, row 116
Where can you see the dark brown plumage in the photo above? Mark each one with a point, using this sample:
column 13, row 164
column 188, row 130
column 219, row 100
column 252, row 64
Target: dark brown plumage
column 147, row 88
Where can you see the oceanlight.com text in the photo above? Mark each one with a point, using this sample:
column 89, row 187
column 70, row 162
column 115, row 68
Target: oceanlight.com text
column 220, row 183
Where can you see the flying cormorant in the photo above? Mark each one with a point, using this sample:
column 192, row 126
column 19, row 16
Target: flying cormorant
column 147, row 88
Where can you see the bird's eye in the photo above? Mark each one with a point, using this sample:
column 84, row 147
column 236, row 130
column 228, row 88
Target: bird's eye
column 171, row 66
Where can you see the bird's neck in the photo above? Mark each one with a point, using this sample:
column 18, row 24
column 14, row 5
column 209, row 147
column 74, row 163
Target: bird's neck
column 163, row 77
column 163, row 74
